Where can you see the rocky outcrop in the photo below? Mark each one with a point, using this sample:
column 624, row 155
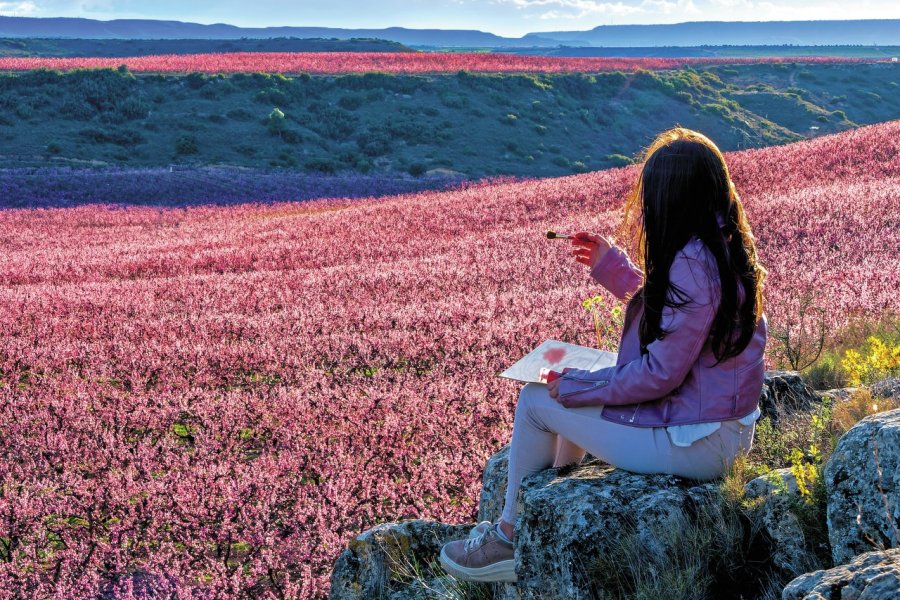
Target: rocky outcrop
column 493, row 486
column 887, row 388
column 862, row 479
column 777, row 493
column 393, row 561
column 569, row 518
column 785, row 392
column 869, row 576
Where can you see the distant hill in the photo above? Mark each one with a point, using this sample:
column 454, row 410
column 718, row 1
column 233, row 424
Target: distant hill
column 787, row 51
column 121, row 47
column 715, row 33
column 859, row 32
column 150, row 29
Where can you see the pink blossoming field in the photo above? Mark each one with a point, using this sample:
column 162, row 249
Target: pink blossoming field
column 389, row 62
column 214, row 400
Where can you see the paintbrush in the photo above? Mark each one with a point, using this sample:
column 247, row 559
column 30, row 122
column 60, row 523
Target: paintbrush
column 552, row 235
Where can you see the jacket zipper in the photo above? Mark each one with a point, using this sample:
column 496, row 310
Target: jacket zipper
column 567, row 376
column 636, row 409
column 596, row 385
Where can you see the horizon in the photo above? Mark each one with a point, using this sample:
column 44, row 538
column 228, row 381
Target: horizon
column 505, row 18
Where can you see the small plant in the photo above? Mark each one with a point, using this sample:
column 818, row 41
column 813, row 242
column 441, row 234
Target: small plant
column 275, row 122
column 604, row 329
column 875, row 360
column 802, row 337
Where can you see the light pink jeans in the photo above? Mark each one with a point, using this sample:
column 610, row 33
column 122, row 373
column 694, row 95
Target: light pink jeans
column 545, row 434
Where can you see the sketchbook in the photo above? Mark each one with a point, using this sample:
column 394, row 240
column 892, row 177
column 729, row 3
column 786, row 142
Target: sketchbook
column 557, row 355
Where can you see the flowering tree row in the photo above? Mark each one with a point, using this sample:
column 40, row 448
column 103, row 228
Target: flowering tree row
column 212, row 401
column 390, row 62
column 65, row 187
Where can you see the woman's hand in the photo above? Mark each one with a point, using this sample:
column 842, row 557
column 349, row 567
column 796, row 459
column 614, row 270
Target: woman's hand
column 589, row 248
column 553, row 388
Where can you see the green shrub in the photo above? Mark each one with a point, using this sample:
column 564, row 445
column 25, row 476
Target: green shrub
column 618, row 160
column 322, row 165
column 131, row 108
column 375, row 142
column 78, row 109
column 331, row 122
column 195, row 81
column 718, row 109
column 185, row 145
column 272, row 96
column 275, row 122
column 120, row 137
column 351, row 101
column 291, row 136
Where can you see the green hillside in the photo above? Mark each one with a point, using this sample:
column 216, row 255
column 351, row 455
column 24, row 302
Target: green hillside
column 477, row 125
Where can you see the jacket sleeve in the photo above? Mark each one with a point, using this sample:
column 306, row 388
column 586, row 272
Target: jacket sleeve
column 617, row 273
column 668, row 360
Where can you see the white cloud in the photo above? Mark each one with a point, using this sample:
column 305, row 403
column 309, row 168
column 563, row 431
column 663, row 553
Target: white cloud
column 577, row 9
column 732, row 3
column 17, row 9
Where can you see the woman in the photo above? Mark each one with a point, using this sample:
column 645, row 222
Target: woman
column 682, row 398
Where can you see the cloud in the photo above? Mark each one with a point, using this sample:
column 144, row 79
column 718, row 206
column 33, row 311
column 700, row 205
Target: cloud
column 732, row 3
column 17, row 9
column 577, row 9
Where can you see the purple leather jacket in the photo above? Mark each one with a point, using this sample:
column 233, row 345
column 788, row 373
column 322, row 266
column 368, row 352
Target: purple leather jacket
column 675, row 383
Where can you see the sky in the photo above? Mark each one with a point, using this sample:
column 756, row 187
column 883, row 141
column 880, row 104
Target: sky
column 511, row 18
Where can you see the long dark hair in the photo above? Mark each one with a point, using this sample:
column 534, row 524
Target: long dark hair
column 684, row 190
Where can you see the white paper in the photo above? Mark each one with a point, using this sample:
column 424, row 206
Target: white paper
column 557, row 355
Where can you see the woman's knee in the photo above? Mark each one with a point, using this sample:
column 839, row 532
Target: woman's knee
column 533, row 394
column 534, row 399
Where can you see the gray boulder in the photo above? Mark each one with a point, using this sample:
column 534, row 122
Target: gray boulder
column 887, row 388
column 784, row 393
column 862, row 480
column 869, row 576
column 775, row 511
column 493, row 486
column 570, row 518
column 394, row 561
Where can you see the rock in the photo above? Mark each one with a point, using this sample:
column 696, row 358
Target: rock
column 777, row 492
column 785, row 392
column 862, row 480
column 839, row 393
column 490, row 506
column 570, row 517
column 887, row 388
column 393, row 561
column 493, row 488
column 869, row 576
column 779, row 481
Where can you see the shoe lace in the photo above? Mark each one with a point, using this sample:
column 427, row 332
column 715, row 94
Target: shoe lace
column 479, row 540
